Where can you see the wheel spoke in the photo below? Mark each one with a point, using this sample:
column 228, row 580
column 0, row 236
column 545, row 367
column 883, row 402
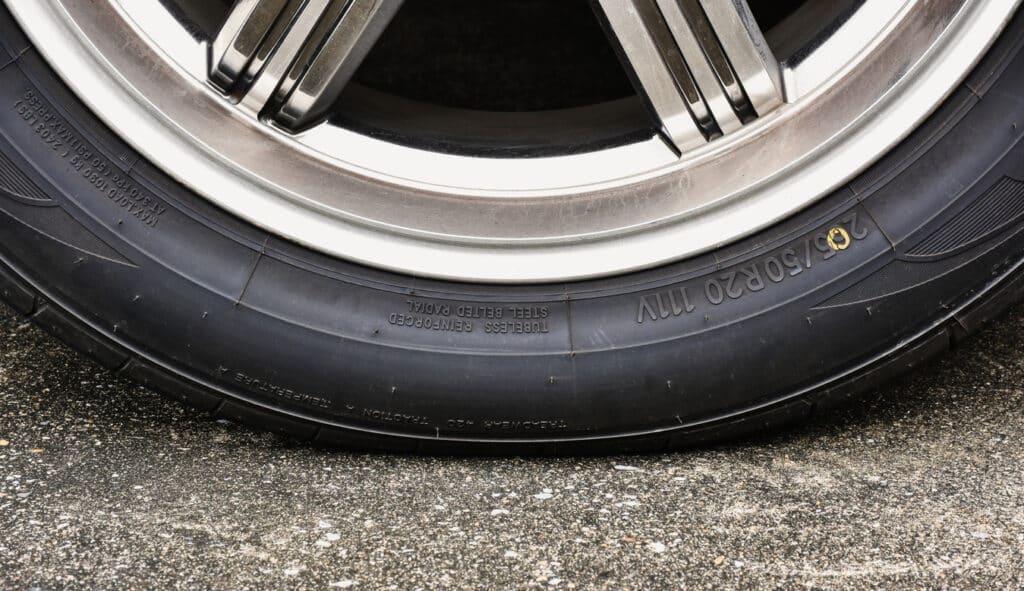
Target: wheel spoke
column 702, row 65
column 288, row 60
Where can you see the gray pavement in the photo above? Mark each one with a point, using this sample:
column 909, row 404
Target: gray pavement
column 106, row 485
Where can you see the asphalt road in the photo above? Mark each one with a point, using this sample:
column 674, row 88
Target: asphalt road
column 106, row 485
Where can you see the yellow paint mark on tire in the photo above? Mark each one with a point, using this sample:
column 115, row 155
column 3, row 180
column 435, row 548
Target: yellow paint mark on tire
column 839, row 238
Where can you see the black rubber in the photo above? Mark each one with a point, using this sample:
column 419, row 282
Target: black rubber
column 115, row 258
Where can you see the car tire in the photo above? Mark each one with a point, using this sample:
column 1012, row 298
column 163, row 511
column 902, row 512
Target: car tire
column 121, row 261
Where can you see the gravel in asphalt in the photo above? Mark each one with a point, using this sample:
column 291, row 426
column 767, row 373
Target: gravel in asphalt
column 104, row 484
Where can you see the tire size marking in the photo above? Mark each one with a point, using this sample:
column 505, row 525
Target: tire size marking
column 106, row 179
column 755, row 277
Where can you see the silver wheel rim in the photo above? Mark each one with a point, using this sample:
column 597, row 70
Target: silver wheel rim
column 763, row 139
